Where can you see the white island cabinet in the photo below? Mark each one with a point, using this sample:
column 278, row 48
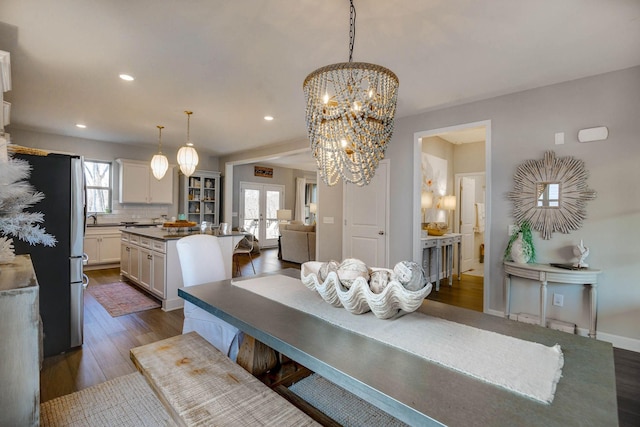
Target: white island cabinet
column 149, row 259
column 138, row 185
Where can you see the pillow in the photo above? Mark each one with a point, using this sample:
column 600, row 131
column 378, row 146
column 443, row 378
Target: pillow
column 301, row 227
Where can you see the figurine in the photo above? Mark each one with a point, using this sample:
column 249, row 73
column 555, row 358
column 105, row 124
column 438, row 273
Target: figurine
column 582, row 252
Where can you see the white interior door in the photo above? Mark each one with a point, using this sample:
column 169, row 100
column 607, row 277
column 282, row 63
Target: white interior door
column 261, row 202
column 467, row 196
column 366, row 219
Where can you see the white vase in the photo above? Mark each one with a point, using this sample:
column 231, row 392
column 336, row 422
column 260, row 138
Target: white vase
column 520, row 251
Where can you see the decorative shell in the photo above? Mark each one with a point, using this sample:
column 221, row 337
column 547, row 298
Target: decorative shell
column 410, row 274
column 359, row 298
column 327, row 268
column 379, row 280
column 351, row 269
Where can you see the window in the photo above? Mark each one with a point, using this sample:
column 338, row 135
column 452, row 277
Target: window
column 98, row 180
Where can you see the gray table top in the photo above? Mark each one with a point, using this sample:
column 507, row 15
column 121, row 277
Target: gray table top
column 415, row 390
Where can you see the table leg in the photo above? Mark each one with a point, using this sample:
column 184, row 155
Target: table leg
column 507, row 295
column 450, row 264
column 438, row 266
column 459, row 257
column 593, row 313
column 543, row 303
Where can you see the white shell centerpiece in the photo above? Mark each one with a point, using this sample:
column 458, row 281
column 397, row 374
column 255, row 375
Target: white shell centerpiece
column 384, row 296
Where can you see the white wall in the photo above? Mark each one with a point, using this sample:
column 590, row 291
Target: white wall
column 523, row 127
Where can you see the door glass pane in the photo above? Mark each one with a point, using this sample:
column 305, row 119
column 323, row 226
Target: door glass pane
column 251, row 207
column 273, row 204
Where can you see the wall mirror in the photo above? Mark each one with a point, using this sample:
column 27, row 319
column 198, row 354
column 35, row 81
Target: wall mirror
column 551, row 194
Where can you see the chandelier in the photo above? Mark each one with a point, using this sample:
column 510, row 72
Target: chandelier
column 187, row 155
column 349, row 115
column 159, row 162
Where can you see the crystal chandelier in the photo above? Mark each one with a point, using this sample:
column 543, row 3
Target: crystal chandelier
column 187, row 155
column 159, row 162
column 349, row 114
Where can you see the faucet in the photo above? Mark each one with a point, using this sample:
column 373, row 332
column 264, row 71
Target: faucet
column 95, row 218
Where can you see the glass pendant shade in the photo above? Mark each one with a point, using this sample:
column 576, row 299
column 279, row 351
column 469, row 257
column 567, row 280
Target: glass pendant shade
column 187, row 155
column 159, row 165
column 187, row 159
column 350, row 107
column 159, row 162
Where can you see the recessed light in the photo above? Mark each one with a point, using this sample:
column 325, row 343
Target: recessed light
column 126, row 77
column 268, row 118
column 81, row 126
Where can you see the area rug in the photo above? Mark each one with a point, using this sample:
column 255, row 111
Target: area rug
column 342, row 406
column 524, row 367
column 124, row 401
column 120, row 299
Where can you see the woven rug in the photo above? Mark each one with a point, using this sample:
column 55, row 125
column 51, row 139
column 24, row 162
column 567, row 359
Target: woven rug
column 120, row 298
column 123, row 401
column 524, row 367
column 343, row 407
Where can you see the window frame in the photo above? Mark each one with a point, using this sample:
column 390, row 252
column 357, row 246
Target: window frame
column 109, row 188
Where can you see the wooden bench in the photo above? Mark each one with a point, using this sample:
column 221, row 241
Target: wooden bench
column 201, row 386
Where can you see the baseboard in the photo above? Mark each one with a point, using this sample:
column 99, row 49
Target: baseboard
column 172, row 304
column 100, row 266
column 631, row 344
column 625, row 343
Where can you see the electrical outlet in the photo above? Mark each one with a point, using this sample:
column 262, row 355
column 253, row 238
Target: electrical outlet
column 558, row 300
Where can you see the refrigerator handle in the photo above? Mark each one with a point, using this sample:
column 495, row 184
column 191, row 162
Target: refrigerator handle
column 85, row 258
column 85, row 281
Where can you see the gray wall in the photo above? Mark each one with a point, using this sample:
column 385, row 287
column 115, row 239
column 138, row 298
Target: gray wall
column 523, row 127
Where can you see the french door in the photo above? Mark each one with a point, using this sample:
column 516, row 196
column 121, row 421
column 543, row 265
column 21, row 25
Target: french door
column 259, row 204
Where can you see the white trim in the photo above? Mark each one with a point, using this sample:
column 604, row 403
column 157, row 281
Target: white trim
column 626, row 343
column 417, row 179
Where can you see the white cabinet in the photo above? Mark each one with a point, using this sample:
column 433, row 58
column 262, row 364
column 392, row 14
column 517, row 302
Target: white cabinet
column 200, row 197
column 102, row 245
column 138, row 185
column 144, row 262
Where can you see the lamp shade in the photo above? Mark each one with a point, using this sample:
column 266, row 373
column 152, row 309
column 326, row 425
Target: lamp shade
column 159, row 165
column 427, row 199
column 188, row 160
column 313, row 208
column 283, row 214
column 449, row 203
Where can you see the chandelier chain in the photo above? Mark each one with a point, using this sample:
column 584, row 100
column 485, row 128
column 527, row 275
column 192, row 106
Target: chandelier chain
column 352, row 29
column 160, row 127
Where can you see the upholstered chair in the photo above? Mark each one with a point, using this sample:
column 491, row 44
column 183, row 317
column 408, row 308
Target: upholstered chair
column 201, row 261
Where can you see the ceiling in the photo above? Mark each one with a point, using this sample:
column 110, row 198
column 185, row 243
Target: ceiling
column 233, row 62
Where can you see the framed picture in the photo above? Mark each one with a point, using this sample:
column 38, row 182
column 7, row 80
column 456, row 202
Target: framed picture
column 263, row 171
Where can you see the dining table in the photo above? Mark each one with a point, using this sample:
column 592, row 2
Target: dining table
column 413, row 389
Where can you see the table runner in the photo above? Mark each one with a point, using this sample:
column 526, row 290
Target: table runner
column 526, row 368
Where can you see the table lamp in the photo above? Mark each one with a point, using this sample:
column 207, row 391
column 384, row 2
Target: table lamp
column 449, row 204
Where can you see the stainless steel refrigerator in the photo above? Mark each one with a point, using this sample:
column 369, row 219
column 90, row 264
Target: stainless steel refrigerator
column 59, row 269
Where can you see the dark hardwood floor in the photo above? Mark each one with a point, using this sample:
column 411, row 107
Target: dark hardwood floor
column 105, row 353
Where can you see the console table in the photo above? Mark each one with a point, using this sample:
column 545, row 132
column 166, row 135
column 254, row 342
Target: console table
column 440, row 244
column 544, row 273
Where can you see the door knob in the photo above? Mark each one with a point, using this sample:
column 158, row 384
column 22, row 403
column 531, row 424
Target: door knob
column 381, row 232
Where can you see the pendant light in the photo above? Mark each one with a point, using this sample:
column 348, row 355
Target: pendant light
column 187, row 155
column 159, row 162
column 349, row 115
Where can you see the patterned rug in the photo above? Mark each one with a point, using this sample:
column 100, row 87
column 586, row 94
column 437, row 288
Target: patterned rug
column 120, row 298
column 124, row 401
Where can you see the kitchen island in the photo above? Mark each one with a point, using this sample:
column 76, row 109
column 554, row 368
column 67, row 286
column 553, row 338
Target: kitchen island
column 149, row 259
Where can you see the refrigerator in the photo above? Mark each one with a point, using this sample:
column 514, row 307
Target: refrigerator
column 59, row 269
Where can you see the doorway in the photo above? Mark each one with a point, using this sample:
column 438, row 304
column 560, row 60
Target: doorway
column 460, row 152
column 366, row 213
column 259, row 204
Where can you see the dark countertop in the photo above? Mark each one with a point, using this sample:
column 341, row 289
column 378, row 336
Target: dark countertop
column 162, row 234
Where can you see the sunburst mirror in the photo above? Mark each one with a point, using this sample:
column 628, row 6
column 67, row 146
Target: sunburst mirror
column 551, row 194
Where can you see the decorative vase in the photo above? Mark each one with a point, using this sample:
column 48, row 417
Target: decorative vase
column 521, row 250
